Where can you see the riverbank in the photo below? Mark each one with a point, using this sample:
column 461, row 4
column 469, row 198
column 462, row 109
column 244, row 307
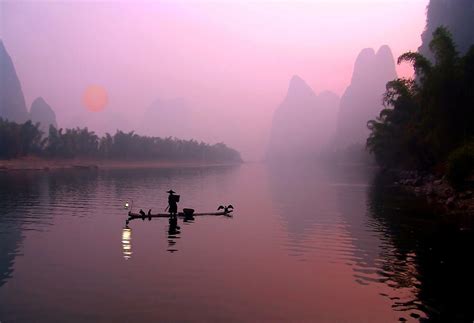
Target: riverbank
column 437, row 191
column 42, row 164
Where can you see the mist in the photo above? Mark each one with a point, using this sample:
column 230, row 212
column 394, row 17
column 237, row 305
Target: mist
column 236, row 160
column 213, row 71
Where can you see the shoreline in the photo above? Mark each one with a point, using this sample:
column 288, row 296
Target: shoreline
column 44, row 164
column 436, row 191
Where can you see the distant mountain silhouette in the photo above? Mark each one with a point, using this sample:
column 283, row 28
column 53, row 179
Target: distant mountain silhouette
column 457, row 16
column 12, row 101
column 303, row 123
column 41, row 112
column 362, row 100
column 168, row 118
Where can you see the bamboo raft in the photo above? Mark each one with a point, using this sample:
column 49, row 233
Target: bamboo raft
column 186, row 213
column 132, row 215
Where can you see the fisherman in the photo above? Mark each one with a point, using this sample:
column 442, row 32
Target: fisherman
column 172, row 203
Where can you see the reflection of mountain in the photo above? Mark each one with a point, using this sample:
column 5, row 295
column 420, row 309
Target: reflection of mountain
column 351, row 184
column 24, row 202
column 9, row 248
column 12, row 189
column 375, row 259
column 302, row 197
column 12, row 101
column 419, row 262
column 362, row 100
column 303, row 123
column 30, row 200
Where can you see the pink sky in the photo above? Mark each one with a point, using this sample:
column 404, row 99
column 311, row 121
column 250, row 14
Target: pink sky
column 231, row 60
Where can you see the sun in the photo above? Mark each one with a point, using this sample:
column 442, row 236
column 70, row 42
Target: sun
column 95, row 98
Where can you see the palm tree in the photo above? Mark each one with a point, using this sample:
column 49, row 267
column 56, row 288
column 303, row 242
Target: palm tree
column 426, row 118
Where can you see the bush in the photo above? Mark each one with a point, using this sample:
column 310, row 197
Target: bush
column 460, row 164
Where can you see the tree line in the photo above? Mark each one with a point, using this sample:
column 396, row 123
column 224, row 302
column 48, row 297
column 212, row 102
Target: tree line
column 428, row 121
column 19, row 140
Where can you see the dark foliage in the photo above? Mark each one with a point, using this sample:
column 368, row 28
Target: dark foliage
column 460, row 164
column 425, row 119
column 454, row 14
column 17, row 140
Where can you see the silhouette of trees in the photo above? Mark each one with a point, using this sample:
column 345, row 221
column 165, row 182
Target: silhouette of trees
column 426, row 119
column 71, row 143
column 17, row 140
column 128, row 146
column 454, row 14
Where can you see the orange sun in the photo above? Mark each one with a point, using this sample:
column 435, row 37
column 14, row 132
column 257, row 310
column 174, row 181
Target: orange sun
column 95, row 98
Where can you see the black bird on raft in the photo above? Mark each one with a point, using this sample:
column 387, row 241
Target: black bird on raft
column 226, row 208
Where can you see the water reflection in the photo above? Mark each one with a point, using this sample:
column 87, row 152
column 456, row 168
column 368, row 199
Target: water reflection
column 50, row 222
column 297, row 193
column 31, row 200
column 127, row 243
column 423, row 255
column 9, row 248
column 20, row 196
column 323, row 209
column 173, row 234
column 350, row 242
column 417, row 260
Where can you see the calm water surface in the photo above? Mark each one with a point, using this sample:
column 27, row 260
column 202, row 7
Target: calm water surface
column 310, row 244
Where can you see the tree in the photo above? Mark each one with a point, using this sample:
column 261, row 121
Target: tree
column 425, row 119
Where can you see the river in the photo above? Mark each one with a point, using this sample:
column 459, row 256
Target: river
column 306, row 244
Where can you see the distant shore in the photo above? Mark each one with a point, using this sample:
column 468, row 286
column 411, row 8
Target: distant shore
column 44, row 164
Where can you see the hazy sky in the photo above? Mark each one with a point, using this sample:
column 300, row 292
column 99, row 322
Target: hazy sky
column 231, row 60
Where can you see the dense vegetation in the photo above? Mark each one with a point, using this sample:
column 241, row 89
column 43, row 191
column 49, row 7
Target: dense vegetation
column 428, row 119
column 18, row 140
column 456, row 15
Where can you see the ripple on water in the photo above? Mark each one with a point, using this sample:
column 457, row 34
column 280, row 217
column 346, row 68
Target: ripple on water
column 345, row 226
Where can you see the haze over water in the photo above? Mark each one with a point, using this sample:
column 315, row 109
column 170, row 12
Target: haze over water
column 316, row 244
column 228, row 62
column 106, row 104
